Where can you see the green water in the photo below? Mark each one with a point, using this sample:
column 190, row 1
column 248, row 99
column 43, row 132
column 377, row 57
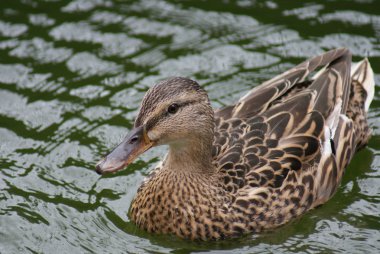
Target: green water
column 72, row 74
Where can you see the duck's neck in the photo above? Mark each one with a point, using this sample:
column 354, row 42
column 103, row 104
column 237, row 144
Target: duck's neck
column 193, row 155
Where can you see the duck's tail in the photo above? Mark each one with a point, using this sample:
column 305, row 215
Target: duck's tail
column 351, row 131
column 361, row 96
column 355, row 118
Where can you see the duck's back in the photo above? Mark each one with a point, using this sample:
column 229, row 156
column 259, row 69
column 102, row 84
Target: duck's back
column 284, row 146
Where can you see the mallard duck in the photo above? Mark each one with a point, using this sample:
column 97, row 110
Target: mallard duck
column 280, row 151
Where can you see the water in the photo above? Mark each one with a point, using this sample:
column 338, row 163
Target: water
column 72, row 75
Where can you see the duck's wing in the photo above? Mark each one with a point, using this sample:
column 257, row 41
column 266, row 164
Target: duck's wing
column 258, row 145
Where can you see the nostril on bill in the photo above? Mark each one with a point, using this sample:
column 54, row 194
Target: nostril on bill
column 133, row 140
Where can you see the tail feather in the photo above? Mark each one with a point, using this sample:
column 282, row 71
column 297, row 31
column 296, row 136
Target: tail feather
column 362, row 92
column 362, row 73
column 345, row 131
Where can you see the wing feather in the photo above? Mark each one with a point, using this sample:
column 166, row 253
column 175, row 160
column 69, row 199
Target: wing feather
column 278, row 126
column 260, row 98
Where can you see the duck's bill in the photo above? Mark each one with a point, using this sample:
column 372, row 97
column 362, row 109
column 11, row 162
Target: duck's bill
column 126, row 152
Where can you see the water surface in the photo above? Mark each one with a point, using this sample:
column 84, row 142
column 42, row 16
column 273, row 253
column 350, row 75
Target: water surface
column 72, row 74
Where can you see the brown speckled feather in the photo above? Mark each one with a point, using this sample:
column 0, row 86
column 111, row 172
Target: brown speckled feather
column 274, row 139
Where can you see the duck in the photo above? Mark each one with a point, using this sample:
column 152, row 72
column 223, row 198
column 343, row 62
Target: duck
column 278, row 152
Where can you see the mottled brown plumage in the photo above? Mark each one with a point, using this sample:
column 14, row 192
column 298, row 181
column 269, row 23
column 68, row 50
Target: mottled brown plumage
column 278, row 152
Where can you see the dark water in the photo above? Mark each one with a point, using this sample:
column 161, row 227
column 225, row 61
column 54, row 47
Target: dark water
column 73, row 73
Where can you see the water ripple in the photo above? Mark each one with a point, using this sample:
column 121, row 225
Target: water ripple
column 39, row 114
column 85, row 5
column 41, row 20
column 222, row 60
column 308, row 12
column 87, row 64
column 41, row 51
column 12, row 30
column 352, row 17
column 113, row 44
column 359, row 45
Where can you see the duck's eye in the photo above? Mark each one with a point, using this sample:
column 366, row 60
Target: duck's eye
column 173, row 108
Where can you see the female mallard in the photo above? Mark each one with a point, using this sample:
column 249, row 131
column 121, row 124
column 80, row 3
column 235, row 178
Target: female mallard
column 277, row 153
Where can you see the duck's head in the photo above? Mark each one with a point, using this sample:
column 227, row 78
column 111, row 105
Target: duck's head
column 175, row 111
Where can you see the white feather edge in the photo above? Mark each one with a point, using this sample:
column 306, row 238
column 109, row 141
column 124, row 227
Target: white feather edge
column 333, row 120
column 326, row 143
column 368, row 83
column 319, row 73
column 330, row 127
column 329, row 134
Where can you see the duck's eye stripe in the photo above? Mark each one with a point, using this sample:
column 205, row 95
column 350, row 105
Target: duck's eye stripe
column 173, row 108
